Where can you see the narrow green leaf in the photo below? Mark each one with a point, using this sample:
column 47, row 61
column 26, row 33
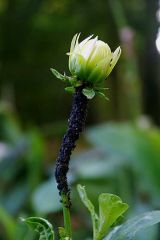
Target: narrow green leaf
column 89, row 93
column 100, row 88
column 102, row 95
column 89, row 206
column 85, row 199
column 111, row 208
column 42, row 226
column 58, row 75
column 70, row 89
column 128, row 230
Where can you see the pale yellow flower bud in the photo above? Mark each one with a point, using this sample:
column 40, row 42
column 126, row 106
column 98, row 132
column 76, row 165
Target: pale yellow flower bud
column 91, row 60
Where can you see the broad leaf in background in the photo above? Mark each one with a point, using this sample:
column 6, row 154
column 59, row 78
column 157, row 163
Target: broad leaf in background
column 42, row 226
column 46, row 193
column 14, row 200
column 139, row 146
column 128, row 230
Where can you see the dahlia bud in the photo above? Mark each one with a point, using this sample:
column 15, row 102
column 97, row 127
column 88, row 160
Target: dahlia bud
column 90, row 63
column 91, row 60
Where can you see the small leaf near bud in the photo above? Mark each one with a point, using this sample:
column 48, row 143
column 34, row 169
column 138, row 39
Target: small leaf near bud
column 89, row 93
column 70, row 89
column 102, row 95
column 58, row 75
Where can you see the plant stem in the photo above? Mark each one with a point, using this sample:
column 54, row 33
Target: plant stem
column 76, row 124
column 67, row 218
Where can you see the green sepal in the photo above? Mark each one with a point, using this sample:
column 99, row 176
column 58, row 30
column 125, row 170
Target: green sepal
column 42, row 226
column 102, row 95
column 70, row 89
column 59, row 75
column 63, row 78
column 69, row 80
column 100, row 88
column 88, row 92
column 74, row 82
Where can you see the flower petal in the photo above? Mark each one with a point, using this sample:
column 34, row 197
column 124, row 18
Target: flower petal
column 99, row 72
column 100, row 52
column 87, row 49
column 80, row 66
column 115, row 57
column 73, row 43
column 77, row 39
column 85, row 41
column 77, row 64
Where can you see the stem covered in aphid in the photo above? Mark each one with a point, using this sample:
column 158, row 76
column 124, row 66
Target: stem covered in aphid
column 76, row 122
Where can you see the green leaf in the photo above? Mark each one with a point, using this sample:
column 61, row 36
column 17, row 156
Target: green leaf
column 85, row 199
column 70, row 89
column 136, row 145
column 128, row 230
column 111, row 208
column 90, row 207
column 89, row 93
column 59, row 75
column 101, row 88
column 42, row 226
column 102, row 95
